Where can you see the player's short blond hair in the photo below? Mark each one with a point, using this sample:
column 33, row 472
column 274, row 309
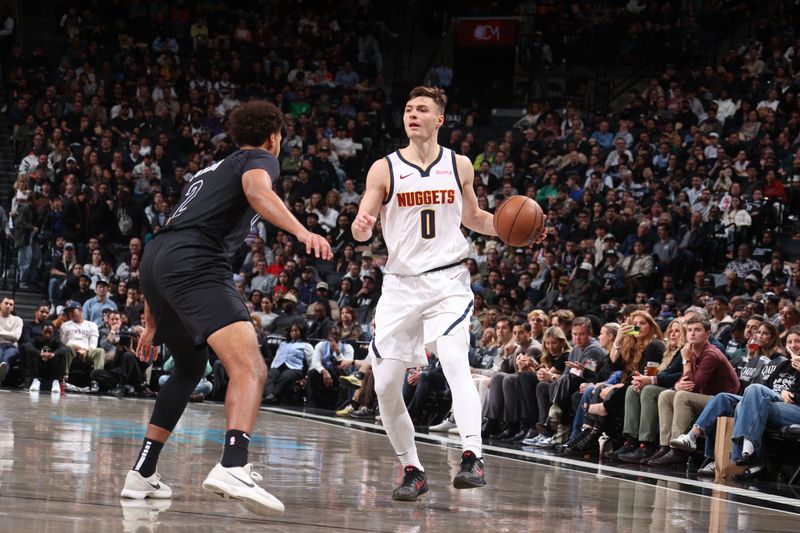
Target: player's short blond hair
column 434, row 93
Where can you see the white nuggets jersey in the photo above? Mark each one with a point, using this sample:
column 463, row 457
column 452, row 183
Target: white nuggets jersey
column 421, row 216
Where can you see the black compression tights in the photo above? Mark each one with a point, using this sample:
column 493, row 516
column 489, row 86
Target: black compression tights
column 190, row 366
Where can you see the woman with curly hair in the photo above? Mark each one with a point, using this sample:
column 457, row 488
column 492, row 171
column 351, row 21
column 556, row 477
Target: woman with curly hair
column 637, row 345
column 641, row 401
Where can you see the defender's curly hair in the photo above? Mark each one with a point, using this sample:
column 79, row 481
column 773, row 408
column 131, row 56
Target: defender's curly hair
column 251, row 123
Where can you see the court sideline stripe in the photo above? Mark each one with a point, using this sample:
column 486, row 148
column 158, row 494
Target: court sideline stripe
column 575, row 464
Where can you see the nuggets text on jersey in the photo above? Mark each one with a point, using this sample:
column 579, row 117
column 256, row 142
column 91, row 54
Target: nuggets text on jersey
column 415, row 198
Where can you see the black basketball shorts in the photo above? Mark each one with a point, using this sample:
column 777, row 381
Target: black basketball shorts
column 188, row 283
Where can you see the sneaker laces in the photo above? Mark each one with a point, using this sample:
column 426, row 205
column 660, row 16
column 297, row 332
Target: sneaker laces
column 255, row 476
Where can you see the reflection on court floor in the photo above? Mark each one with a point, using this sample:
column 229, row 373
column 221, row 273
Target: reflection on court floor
column 63, row 460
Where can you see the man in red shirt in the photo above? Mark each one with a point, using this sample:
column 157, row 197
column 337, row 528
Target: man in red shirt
column 706, row 372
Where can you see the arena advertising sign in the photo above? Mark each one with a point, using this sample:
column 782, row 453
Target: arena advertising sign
column 487, row 31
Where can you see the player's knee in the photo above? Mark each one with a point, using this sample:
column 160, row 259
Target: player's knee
column 385, row 388
column 196, row 373
column 381, row 387
column 259, row 371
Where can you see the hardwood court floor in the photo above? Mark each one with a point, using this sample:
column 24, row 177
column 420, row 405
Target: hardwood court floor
column 63, row 461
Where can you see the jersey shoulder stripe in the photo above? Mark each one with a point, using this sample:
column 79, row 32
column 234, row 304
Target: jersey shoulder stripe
column 455, row 171
column 391, row 181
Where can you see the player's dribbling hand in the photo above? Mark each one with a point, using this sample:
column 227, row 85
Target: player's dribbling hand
column 145, row 351
column 317, row 244
column 540, row 238
column 364, row 222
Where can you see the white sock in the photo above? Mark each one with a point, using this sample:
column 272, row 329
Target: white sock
column 452, row 352
column 747, row 447
column 410, row 458
column 389, row 375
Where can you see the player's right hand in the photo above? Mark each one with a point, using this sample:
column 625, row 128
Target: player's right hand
column 364, row 222
column 317, row 244
column 541, row 237
column 145, row 351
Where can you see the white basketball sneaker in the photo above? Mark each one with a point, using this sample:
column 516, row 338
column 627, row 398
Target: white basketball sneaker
column 35, row 385
column 445, row 425
column 239, row 483
column 138, row 487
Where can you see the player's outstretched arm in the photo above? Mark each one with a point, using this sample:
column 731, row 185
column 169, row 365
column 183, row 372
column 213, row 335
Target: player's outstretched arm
column 257, row 187
column 472, row 216
column 376, row 191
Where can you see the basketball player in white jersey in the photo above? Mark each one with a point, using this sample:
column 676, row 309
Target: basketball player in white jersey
column 423, row 194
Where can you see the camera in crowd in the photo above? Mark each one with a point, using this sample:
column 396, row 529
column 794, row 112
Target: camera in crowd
column 128, row 337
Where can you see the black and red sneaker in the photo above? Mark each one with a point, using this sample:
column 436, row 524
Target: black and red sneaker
column 413, row 486
column 471, row 474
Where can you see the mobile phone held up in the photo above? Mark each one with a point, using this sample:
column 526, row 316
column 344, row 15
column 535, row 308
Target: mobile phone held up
column 634, row 331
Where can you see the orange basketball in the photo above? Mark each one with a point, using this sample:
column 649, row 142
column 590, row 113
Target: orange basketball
column 518, row 221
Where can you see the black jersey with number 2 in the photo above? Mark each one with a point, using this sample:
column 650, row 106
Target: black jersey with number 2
column 213, row 201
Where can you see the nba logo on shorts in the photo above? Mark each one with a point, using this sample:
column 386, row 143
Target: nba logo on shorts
column 233, row 441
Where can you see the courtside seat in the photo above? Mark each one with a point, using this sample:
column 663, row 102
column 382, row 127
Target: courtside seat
column 783, row 449
column 792, row 431
column 439, row 405
column 14, row 376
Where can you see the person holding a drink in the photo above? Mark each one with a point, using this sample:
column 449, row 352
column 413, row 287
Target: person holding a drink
column 638, row 342
column 773, row 404
column 741, row 332
column 765, row 359
column 764, row 355
column 641, row 400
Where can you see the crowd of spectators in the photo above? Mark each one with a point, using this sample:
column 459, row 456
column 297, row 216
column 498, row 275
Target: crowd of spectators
column 105, row 137
column 679, row 203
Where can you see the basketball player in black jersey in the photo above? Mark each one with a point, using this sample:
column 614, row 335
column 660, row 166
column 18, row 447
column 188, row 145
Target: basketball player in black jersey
column 191, row 303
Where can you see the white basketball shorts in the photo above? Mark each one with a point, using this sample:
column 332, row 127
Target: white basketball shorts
column 416, row 310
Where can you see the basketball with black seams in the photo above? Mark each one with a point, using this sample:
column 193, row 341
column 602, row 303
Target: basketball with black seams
column 518, row 221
